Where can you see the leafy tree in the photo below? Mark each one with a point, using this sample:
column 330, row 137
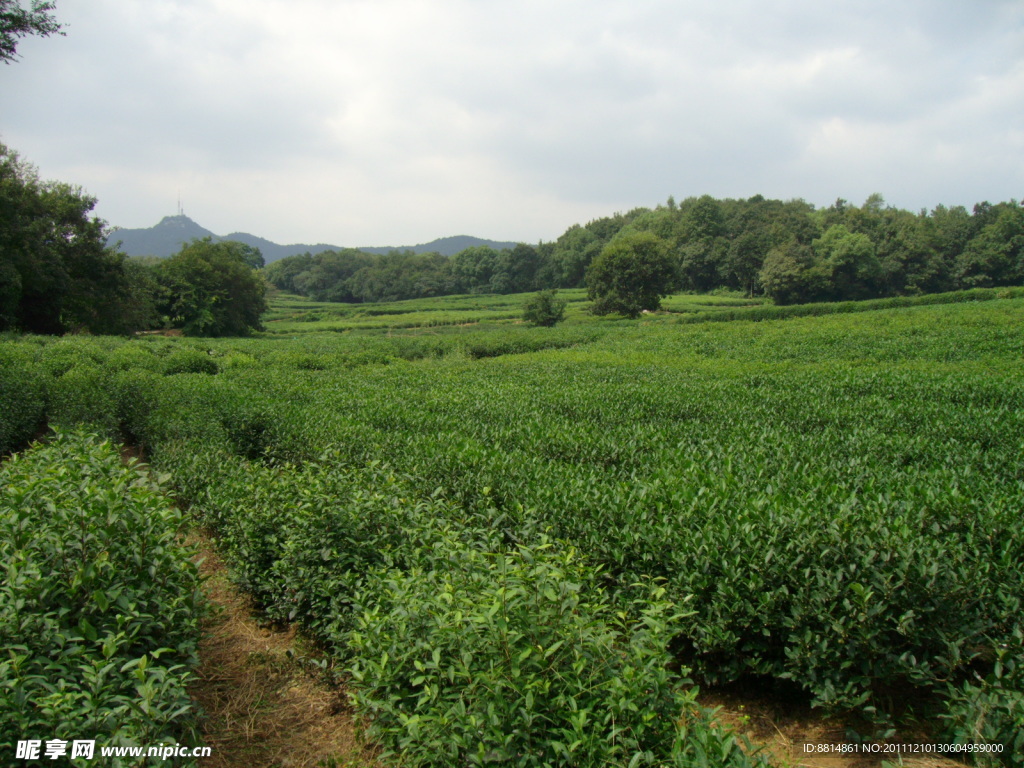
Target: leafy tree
column 745, row 258
column 909, row 262
column 996, row 255
column 544, row 308
column 632, row 274
column 327, row 275
column 472, row 269
column 702, row 263
column 790, row 275
column 520, row 265
column 209, row 289
column 283, row 272
column 850, row 261
column 56, row 273
column 704, row 220
column 573, row 252
column 17, row 22
column 250, row 254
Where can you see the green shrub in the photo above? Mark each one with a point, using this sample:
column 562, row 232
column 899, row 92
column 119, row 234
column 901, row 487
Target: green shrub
column 189, row 360
column 60, row 356
column 99, row 602
column 989, row 712
column 815, row 309
column 480, row 657
column 83, row 396
column 22, row 396
column 135, row 393
column 544, row 308
column 134, row 356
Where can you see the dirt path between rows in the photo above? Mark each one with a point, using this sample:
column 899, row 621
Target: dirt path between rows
column 263, row 708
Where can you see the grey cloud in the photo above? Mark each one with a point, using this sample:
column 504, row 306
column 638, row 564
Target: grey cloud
column 378, row 116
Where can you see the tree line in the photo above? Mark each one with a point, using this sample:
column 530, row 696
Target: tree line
column 789, row 251
column 57, row 275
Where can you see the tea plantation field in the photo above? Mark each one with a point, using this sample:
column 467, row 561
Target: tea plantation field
column 528, row 546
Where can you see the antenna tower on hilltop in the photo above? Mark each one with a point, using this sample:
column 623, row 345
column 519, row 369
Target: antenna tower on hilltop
column 181, row 211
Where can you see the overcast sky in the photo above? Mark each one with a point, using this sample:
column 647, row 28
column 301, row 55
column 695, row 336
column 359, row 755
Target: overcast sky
column 393, row 122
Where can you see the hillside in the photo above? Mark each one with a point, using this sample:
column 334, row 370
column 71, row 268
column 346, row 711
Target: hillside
column 171, row 232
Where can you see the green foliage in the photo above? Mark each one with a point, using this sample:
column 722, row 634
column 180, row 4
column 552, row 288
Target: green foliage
column 631, row 275
column 544, row 309
column 474, row 657
column 790, row 250
column 56, row 273
column 988, row 712
column 211, row 289
column 22, row 396
column 456, row 655
column 99, row 600
column 190, row 360
column 773, row 312
column 83, row 396
column 17, row 22
column 790, row 275
column 834, row 499
column 849, row 263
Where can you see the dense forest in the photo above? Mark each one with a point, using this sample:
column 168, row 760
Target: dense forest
column 787, row 250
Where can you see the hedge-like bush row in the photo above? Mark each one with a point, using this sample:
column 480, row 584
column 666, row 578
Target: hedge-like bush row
column 99, row 602
column 461, row 648
column 815, row 309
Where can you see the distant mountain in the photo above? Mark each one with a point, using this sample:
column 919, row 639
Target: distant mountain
column 172, row 232
column 446, row 246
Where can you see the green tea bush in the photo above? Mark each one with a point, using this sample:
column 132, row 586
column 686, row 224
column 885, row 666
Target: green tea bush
column 773, row 312
column 300, row 539
column 134, row 356
column 479, row 657
column 22, row 396
column 556, row 678
column 83, row 396
column 189, row 360
column 989, row 711
column 61, row 355
column 836, row 499
column 187, row 406
column 99, row 603
column 303, row 361
column 517, row 342
column 135, row 393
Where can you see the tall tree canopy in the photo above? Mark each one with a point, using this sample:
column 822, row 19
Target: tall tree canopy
column 211, row 289
column 631, row 275
column 56, row 273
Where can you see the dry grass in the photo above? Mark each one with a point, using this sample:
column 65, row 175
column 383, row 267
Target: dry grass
column 263, row 709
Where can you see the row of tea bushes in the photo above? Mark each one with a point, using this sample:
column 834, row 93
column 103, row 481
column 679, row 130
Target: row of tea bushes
column 782, row 312
column 22, row 396
column 461, row 649
column 99, row 604
column 836, row 498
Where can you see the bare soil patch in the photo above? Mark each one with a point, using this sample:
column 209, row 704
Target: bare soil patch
column 263, row 708
column 783, row 730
